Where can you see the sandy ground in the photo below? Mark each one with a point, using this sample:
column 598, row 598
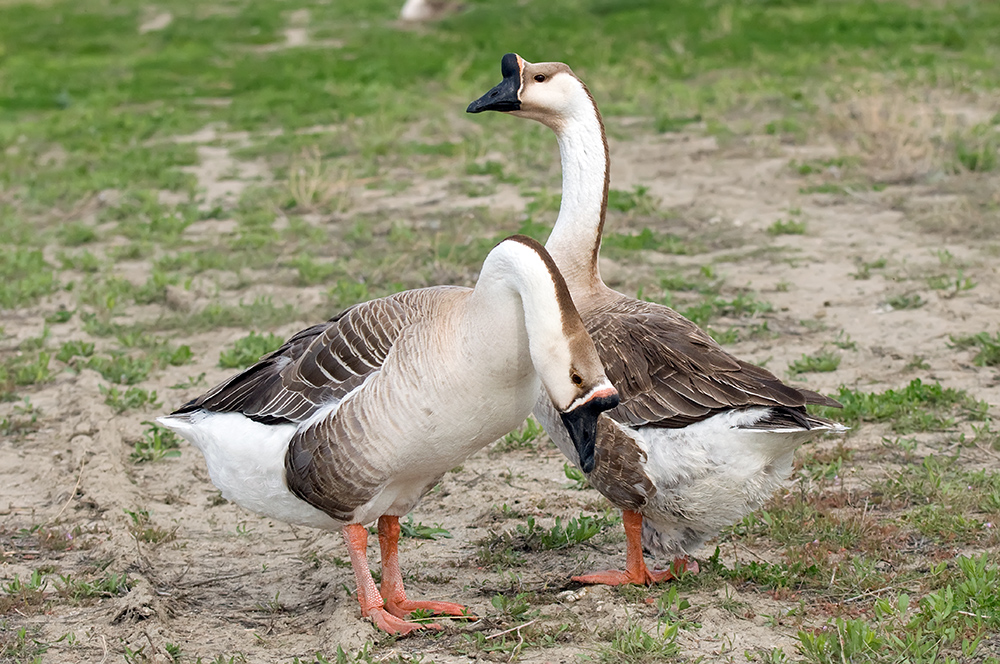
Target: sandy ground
column 225, row 582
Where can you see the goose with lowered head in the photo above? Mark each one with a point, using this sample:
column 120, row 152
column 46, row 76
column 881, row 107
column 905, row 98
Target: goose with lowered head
column 355, row 419
column 700, row 438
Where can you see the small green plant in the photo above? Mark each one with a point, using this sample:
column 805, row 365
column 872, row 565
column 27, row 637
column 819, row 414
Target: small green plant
column 577, row 480
column 987, row 348
column 530, row 536
column 951, row 286
column 638, row 199
column 823, row 361
column 248, row 350
column 633, row 645
column 645, row 240
column 122, row 369
column 129, row 399
column 156, row 443
column 916, row 407
column 143, row 529
column 906, row 301
column 417, row 530
column 313, row 272
column 25, row 276
column 73, row 349
column 865, row 268
column 790, row 227
column 108, row 585
column 521, row 439
column 23, row 596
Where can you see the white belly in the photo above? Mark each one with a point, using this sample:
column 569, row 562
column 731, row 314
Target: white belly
column 246, row 461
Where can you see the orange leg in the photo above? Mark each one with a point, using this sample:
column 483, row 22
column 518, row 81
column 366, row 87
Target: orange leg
column 636, row 571
column 371, row 602
column 392, row 579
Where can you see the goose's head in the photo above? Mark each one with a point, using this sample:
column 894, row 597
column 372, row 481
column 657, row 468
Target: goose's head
column 547, row 92
column 562, row 351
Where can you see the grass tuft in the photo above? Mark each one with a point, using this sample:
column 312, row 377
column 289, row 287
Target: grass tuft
column 916, row 407
column 249, row 350
column 987, row 348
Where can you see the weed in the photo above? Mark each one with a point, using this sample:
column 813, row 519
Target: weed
column 25, row 595
column 638, row 200
column 25, row 276
column 906, row 301
column 790, row 227
column 822, row 361
column 740, row 306
column 671, row 605
column 20, row 645
column 501, row 548
column 865, row 268
column 577, row 480
column 618, row 244
column 144, row 530
column 633, row 645
column 312, row 272
column 521, row 439
column 156, row 443
column 977, row 150
column 987, row 348
column 916, row 407
column 59, row 316
column 122, row 369
column 23, row 419
column 73, row 349
column 129, row 399
column 248, row 350
column 417, row 530
column 108, row 585
column 23, row 369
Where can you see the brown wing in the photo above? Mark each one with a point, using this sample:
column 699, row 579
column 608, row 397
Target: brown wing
column 619, row 472
column 316, row 366
column 670, row 373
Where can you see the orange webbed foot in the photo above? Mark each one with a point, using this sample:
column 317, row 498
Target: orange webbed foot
column 396, row 625
column 640, row 575
column 403, row 608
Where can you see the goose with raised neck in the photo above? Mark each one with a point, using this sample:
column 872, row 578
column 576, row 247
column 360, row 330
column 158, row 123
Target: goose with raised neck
column 699, row 438
column 355, row 419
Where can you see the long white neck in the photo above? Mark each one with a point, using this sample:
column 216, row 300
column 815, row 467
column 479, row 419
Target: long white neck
column 519, row 288
column 575, row 241
column 514, row 276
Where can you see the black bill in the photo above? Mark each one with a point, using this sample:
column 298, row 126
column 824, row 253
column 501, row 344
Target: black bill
column 503, row 97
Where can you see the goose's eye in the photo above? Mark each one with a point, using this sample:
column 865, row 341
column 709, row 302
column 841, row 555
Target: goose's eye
column 576, row 378
column 540, row 78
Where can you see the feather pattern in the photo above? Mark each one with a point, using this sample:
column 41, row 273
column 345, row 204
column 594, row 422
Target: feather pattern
column 670, row 373
column 318, row 365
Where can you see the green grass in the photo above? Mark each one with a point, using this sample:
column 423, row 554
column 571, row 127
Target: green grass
column 25, row 276
column 948, row 624
column 156, row 443
column 248, row 350
column 823, row 361
column 916, row 407
column 504, row 549
column 789, row 227
column 616, row 245
column 102, row 225
column 987, row 348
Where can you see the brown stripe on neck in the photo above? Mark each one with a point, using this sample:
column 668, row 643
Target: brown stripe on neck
column 607, row 182
column 567, row 309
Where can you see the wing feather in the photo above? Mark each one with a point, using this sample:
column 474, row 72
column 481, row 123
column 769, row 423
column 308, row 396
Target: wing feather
column 316, row 366
column 670, row 373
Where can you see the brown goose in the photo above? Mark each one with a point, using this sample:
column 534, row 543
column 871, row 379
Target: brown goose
column 699, row 438
column 355, row 419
